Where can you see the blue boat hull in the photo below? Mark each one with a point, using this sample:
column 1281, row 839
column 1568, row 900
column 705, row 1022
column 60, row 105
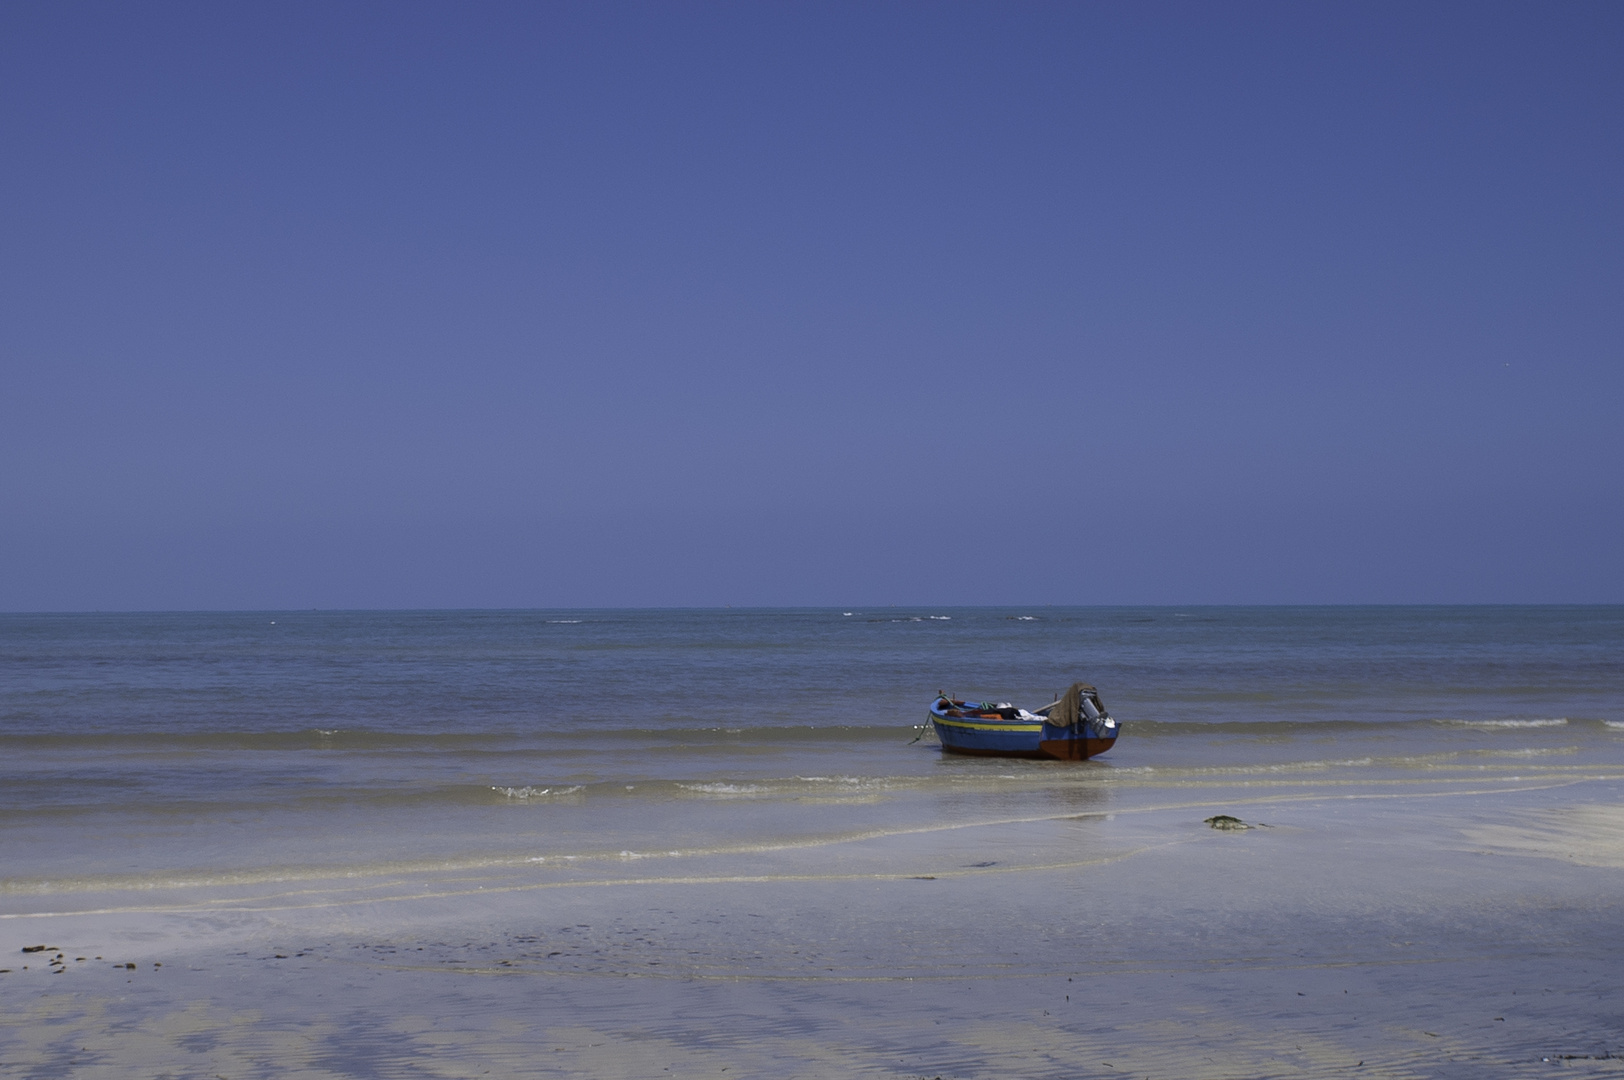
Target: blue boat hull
column 998, row 737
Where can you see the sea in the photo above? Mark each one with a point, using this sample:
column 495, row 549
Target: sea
column 726, row 842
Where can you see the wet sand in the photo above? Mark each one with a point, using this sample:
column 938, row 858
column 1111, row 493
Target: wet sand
column 1442, row 929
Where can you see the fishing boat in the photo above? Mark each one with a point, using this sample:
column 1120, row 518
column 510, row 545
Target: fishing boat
column 1074, row 727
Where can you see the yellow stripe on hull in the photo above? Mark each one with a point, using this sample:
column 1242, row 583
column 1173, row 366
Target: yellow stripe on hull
column 988, row 727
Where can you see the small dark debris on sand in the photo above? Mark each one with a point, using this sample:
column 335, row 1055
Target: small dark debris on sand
column 1227, row 823
column 41, row 948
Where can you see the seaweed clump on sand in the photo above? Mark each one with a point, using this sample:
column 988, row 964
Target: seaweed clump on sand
column 1227, row 823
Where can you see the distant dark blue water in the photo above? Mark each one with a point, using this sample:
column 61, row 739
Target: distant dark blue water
column 578, row 672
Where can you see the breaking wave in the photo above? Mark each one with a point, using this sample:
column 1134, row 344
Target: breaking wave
column 528, row 792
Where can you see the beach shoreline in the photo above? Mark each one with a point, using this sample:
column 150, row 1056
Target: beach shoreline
column 1414, row 933
column 465, row 844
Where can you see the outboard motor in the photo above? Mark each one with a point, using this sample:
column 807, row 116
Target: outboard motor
column 1081, row 704
column 1099, row 722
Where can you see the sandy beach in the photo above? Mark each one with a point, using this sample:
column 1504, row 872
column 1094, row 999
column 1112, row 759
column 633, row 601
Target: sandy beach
column 1399, row 929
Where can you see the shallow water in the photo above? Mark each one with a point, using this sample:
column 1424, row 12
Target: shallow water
column 622, row 843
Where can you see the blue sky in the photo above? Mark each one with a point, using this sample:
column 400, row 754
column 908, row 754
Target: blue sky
column 510, row 305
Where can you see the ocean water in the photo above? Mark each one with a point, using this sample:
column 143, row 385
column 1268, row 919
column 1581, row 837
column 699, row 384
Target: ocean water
column 667, row 842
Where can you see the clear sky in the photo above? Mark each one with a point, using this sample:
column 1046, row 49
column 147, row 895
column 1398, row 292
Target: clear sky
column 511, row 305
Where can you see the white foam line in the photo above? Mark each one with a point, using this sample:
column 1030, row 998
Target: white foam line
column 730, row 879
column 318, row 874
